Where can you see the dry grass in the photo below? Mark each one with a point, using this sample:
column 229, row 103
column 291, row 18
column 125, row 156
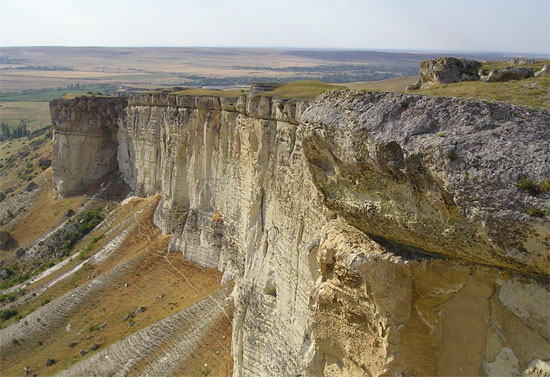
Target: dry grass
column 146, row 283
column 35, row 114
column 209, row 92
column 302, row 90
column 48, row 211
column 391, row 85
column 529, row 92
column 488, row 66
column 213, row 358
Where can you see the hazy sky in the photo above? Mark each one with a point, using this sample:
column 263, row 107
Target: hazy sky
column 467, row 25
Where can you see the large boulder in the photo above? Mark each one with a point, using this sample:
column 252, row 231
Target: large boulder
column 448, row 70
column 507, row 74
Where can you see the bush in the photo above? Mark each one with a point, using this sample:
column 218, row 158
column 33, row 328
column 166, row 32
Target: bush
column 8, row 297
column 535, row 212
column 7, row 314
column 528, row 186
column 86, row 222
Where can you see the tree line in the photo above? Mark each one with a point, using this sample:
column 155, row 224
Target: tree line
column 8, row 132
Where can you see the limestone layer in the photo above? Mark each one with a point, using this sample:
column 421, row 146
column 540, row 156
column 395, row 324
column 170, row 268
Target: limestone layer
column 85, row 144
column 367, row 233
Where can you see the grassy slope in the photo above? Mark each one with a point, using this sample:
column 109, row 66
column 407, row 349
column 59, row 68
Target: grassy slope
column 16, row 172
column 529, row 92
column 151, row 279
column 391, row 85
column 302, row 90
column 208, row 92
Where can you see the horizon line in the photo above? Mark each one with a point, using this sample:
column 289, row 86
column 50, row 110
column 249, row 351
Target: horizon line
column 388, row 50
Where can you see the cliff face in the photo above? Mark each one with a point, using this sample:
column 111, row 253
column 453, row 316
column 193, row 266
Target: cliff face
column 85, row 144
column 367, row 234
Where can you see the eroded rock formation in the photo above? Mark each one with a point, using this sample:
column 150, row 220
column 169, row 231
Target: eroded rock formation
column 367, row 233
column 85, row 144
column 447, row 70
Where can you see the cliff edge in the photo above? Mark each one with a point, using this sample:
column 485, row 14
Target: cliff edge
column 367, row 233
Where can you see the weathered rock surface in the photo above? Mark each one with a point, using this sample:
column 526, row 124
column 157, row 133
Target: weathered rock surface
column 507, row 74
column 448, row 70
column 85, row 144
column 367, row 234
column 544, row 71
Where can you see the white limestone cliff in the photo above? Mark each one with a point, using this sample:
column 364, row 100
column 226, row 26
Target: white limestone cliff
column 367, row 234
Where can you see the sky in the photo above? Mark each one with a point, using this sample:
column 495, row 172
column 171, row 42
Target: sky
column 433, row 25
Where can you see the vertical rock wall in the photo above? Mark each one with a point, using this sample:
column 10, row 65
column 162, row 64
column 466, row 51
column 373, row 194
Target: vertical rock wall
column 367, row 234
column 85, row 143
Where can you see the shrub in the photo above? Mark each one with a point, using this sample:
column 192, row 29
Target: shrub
column 86, row 222
column 7, row 314
column 535, row 212
column 8, row 297
column 528, row 186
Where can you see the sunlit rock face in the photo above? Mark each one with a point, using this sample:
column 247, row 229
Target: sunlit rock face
column 367, row 233
column 85, row 140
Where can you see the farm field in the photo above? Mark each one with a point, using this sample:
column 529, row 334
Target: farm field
column 35, row 114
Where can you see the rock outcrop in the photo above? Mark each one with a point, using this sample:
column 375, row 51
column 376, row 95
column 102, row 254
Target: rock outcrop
column 85, row 144
column 544, row 71
column 447, row 70
column 507, row 74
column 367, row 233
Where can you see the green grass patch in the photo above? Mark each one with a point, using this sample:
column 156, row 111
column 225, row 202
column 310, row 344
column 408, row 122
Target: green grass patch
column 86, row 222
column 9, row 297
column 83, row 253
column 535, row 212
column 7, row 314
column 302, row 90
column 17, row 280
